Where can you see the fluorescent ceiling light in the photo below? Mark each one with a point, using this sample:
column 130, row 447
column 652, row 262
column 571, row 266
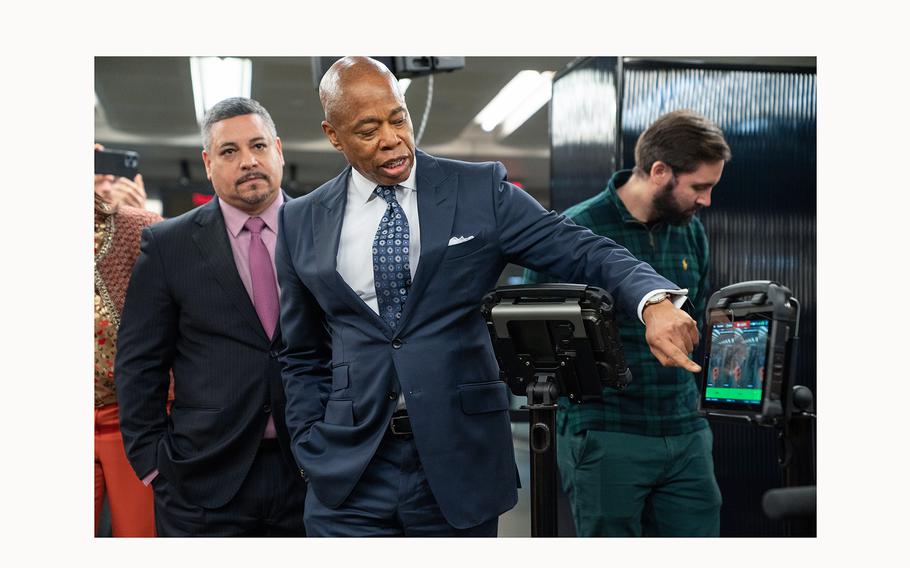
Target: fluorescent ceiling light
column 219, row 78
column 516, row 91
column 537, row 98
column 99, row 110
column 403, row 85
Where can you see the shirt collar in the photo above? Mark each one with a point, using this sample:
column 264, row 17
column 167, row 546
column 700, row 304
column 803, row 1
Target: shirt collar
column 619, row 179
column 363, row 188
column 235, row 219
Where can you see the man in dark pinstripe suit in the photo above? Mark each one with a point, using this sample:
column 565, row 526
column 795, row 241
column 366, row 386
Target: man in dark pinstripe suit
column 203, row 303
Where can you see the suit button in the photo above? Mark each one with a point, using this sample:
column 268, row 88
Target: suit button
column 273, row 354
column 266, row 408
column 396, row 344
column 393, row 395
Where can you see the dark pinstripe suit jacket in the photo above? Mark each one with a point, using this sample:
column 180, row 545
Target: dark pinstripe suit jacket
column 186, row 309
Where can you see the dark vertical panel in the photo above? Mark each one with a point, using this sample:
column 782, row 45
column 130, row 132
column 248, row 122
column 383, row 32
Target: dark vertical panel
column 761, row 225
column 583, row 130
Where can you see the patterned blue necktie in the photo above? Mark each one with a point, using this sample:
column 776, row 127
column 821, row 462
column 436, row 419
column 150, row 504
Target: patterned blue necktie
column 391, row 267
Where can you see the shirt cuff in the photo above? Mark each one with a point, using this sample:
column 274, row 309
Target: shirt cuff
column 148, row 478
column 678, row 297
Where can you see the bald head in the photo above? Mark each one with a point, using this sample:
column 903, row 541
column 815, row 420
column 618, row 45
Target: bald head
column 367, row 119
column 345, row 74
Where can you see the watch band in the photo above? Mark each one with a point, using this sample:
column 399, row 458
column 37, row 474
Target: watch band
column 657, row 298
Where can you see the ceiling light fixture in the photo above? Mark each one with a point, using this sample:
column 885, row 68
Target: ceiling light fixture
column 537, row 98
column 219, row 78
column 517, row 99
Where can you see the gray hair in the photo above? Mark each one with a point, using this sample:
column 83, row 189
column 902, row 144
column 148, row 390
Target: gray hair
column 229, row 108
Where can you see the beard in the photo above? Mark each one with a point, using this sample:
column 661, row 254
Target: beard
column 668, row 209
column 256, row 192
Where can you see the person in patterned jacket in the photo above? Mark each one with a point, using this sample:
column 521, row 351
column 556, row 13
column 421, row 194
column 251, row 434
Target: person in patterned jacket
column 119, row 220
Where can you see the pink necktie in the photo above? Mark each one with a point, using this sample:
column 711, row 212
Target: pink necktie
column 265, row 290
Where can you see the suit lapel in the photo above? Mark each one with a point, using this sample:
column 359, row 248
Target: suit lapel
column 437, row 193
column 211, row 238
column 276, row 333
column 327, row 220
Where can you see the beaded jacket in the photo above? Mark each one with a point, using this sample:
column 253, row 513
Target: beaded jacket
column 117, row 238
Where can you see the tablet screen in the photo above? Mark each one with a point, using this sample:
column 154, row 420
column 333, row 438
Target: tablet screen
column 736, row 366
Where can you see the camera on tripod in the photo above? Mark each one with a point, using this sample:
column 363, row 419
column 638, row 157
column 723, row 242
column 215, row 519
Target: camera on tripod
column 553, row 340
column 561, row 330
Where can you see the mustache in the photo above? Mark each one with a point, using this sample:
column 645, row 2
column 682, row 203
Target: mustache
column 250, row 176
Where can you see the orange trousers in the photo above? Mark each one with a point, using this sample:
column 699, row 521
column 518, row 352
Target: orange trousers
column 131, row 503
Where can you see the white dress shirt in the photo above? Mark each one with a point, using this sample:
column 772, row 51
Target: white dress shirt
column 362, row 214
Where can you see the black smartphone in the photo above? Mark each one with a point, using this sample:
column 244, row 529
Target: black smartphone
column 121, row 163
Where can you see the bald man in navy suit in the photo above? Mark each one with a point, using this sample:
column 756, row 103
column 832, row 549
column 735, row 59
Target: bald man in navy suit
column 396, row 412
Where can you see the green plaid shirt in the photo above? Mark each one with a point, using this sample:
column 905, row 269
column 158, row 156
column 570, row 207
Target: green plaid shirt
column 660, row 401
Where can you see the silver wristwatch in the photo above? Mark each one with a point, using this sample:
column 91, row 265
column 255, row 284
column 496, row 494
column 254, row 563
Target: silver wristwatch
column 656, row 299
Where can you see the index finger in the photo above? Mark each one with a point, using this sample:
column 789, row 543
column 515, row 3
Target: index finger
column 140, row 184
column 680, row 359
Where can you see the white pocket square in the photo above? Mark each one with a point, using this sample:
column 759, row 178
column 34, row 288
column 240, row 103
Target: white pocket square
column 458, row 240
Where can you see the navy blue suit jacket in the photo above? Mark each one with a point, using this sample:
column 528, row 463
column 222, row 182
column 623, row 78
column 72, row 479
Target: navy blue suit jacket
column 341, row 360
column 187, row 310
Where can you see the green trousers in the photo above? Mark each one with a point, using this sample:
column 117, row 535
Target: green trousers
column 630, row 485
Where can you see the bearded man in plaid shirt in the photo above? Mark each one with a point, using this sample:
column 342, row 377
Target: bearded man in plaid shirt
column 640, row 461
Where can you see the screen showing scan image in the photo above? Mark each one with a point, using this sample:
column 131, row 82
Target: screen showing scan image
column 736, row 369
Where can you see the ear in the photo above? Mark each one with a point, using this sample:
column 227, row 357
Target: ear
column 280, row 153
column 331, row 134
column 660, row 173
column 208, row 164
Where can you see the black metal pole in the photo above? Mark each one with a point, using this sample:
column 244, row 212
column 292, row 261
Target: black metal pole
column 542, row 398
column 799, row 470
